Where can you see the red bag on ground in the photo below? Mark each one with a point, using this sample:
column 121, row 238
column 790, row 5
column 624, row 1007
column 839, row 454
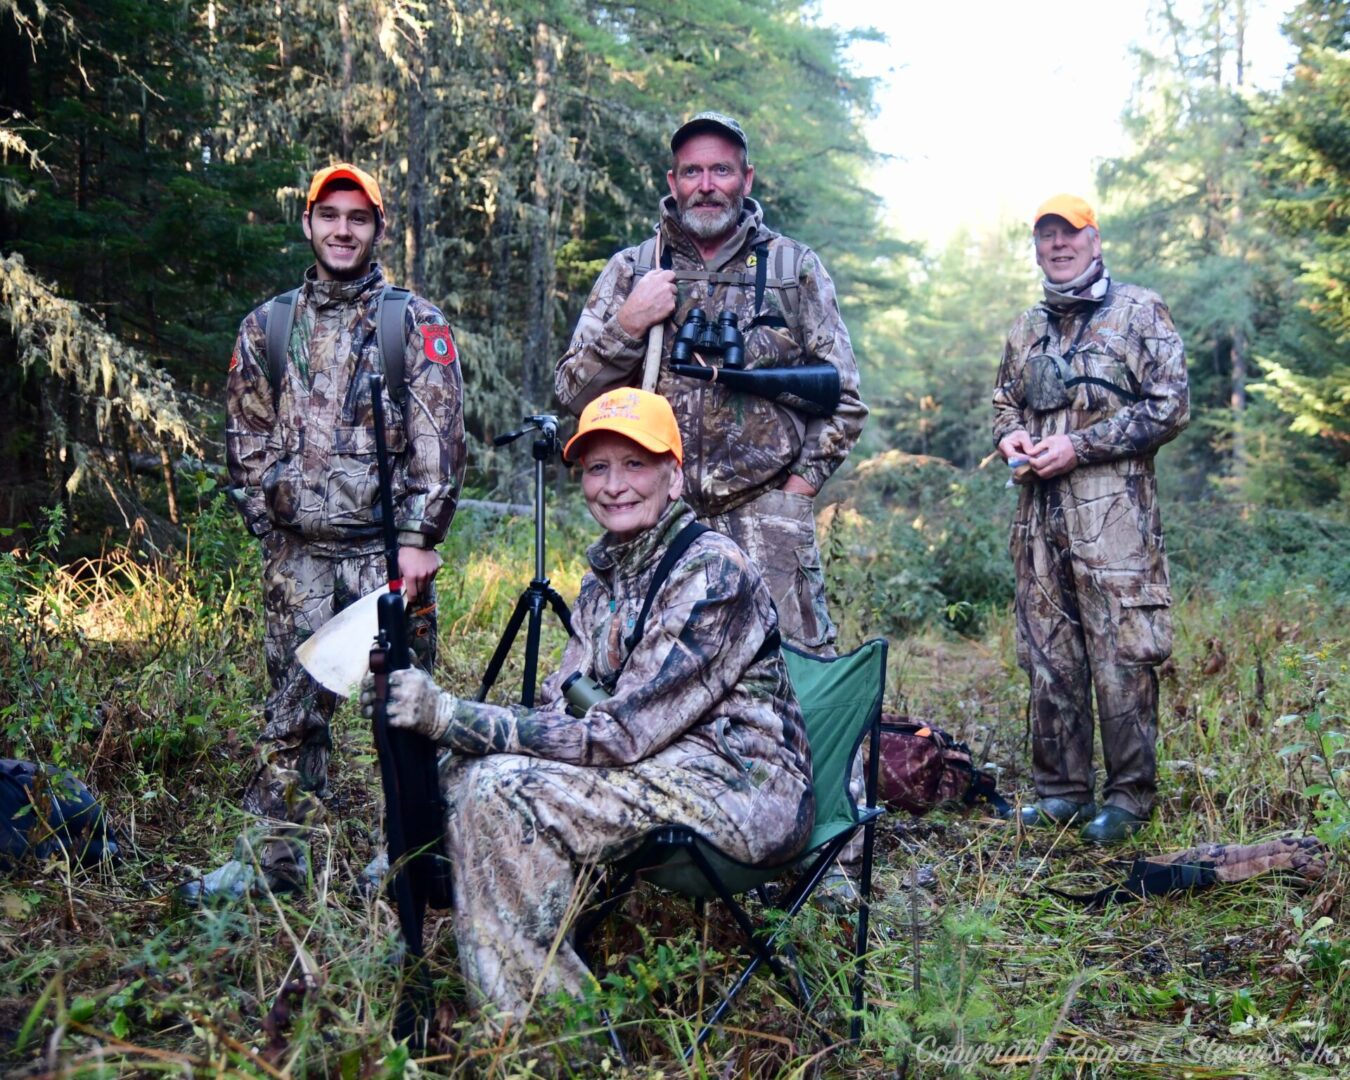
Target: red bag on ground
column 922, row 766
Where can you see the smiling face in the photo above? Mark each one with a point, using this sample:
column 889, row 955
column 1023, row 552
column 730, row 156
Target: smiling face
column 1062, row 251
column 626, row 486
column 710, row 181
column 342, row 227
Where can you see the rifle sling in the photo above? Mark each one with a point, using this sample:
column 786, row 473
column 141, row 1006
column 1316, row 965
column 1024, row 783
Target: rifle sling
column 1146, row 879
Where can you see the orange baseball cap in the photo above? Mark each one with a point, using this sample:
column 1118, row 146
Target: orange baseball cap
column 644, row 417
column 343, row 171
column 1070, row 207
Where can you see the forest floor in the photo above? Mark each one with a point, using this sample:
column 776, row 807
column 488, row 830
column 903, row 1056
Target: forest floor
column 148, row 686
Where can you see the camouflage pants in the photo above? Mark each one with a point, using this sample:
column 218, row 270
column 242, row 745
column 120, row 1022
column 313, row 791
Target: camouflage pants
column 778, row 531
column 301, row 592
column 523, row 833
column 1092, row 618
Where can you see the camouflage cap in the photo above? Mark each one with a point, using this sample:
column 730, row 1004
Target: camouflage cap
column 717, row 122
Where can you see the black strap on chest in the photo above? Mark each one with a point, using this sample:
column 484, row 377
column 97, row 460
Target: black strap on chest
column 674, row 552
column 683, row 539
column 1128, row 396
column 389, row 332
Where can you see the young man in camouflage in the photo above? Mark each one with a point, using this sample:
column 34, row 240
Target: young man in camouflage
column 700, row 728
column 302, row 471
column 1092, row 383
column 752, row 466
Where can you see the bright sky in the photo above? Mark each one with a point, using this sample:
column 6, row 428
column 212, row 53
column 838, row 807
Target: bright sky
column 990, row 107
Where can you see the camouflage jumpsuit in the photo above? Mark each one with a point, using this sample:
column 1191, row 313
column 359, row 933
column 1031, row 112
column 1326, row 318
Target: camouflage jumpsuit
column 302, row 473
column 739, row 449
column 701, row 731
column 1092, row 593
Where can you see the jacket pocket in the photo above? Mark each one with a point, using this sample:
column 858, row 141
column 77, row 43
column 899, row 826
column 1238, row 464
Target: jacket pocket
column 353, row 489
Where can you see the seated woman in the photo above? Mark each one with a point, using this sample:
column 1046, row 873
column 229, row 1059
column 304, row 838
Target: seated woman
column 701, row 727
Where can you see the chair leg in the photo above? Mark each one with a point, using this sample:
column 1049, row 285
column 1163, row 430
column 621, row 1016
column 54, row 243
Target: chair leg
column 611, row 897
column 860, row 931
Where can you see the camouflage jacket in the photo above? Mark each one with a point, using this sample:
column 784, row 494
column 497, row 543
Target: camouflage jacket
column 1130, row 343
column 306, row 463
column 691, row 695
column 736, row 445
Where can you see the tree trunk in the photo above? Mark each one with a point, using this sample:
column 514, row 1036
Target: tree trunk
column 170, row 480
column 1237, row 400
column 16, row 96
column 541, row 274
column 345, row 109
column 414, row 251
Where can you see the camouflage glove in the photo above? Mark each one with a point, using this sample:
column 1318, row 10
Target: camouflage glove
column 415, row 703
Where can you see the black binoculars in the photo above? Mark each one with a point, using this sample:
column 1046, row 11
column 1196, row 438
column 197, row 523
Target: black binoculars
column 697, row 335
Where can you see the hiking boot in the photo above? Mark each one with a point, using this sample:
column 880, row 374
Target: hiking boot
column 1112, row 825
column 1053, row 813
column 370, row 881
column 228, row 882
column 235, row 878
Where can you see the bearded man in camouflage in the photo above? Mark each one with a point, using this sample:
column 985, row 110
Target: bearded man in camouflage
column 752, row 466
column 1092, row 383
column 300, row 443
column 700, row 726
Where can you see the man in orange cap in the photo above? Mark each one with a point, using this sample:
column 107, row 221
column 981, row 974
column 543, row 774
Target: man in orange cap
column 1092, row 383
column 300, row 441
column 693, row 721
column 755, row 466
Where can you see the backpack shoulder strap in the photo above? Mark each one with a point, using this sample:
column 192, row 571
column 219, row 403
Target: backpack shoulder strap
column 280, row 322
column 646, row 256
column 392, row 338
column 786, row 259
column 678, row 547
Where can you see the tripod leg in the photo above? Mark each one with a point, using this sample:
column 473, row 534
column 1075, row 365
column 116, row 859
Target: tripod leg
column 561, row 610
column 503, row 649
column 535, row 596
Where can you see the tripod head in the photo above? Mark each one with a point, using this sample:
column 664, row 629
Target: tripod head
column 546, row 446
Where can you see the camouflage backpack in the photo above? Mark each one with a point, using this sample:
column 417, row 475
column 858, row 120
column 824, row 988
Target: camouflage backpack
column 922, row 766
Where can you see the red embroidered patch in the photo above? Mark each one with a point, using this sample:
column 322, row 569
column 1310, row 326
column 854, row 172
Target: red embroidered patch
column 438, row 345
column 234, row 358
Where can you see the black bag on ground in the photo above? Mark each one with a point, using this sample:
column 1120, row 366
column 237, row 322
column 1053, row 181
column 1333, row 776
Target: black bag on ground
column 44, row 809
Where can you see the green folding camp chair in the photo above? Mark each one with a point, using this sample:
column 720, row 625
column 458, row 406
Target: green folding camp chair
column 841, row 702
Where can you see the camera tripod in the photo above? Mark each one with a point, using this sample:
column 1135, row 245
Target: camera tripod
column 538, row 593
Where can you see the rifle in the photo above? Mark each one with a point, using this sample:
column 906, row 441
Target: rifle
column 810, row 388
column 414, row 812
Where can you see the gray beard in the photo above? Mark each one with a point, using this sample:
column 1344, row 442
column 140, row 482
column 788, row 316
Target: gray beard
column 701, row 226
